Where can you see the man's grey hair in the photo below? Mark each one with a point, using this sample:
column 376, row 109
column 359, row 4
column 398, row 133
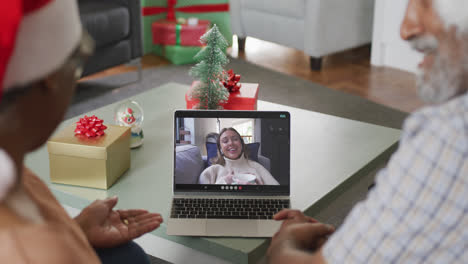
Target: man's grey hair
column 453, row 13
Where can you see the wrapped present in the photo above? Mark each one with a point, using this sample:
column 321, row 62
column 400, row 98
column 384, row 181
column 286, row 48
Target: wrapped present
column 179, row 54
column 243, row 99
column 166, row 32
column 216, row 11
column 89, row 161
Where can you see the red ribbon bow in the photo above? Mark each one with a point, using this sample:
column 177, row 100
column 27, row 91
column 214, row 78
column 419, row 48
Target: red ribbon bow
column 171, row 9
column 232, row 82
column 90, row 126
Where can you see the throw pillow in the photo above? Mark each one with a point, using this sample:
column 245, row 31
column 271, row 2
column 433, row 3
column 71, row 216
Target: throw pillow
column 253, row 150
column 211, row 152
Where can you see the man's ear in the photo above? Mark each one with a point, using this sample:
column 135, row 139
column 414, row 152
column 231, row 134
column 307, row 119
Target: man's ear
column 48, row 84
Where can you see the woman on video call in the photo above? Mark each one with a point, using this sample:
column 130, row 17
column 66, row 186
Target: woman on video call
column 232, row 165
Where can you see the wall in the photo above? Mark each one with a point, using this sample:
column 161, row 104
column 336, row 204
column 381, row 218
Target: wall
column 203, row 126
column 388, row 49
column 189, row 125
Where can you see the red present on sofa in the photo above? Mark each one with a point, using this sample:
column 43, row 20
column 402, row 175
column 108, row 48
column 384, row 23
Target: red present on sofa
column 244, row 99
column 166, row 32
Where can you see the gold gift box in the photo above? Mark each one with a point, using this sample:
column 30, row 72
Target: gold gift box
column 90, row 162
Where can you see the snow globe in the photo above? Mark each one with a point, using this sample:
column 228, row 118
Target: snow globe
column 130, row 114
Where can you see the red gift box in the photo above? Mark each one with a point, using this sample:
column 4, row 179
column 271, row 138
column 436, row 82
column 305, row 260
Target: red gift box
column 244, row 99
column 166, row 32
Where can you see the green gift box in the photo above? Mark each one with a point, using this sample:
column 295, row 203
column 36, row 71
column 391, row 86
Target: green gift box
column 216, row 11
column 180, row 54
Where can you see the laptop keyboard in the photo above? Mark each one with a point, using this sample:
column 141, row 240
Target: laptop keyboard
column 227, row 208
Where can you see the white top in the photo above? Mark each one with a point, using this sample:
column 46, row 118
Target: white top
column 217, row 174
column 17, row 199
column 7, row 174
column 418, row 211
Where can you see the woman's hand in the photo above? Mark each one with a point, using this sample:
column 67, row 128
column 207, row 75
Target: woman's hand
column 229, row 177
column 105, row 227
column 259, row 181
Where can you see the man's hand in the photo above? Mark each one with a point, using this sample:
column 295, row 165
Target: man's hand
column 293, row 216
column 303, row 230
column 298, row 237
column 105, row 227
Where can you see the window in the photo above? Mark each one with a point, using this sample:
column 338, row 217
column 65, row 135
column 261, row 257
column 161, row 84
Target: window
column 245, row 129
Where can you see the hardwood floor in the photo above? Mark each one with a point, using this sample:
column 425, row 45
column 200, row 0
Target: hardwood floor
column 348, row 71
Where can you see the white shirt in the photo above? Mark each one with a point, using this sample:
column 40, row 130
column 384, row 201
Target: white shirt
column 7, row 174
column 16, row 198
column 215, row 174
column 418, row 211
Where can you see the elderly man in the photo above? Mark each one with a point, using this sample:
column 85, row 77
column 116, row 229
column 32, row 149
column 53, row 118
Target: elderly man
column 42, row 49
column 418, row 211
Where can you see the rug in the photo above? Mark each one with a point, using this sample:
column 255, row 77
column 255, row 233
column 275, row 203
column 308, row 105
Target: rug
column 274, row 87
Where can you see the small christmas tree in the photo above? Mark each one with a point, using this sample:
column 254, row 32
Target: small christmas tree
column 210, row 70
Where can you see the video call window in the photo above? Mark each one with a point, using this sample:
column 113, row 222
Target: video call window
column 232, row 151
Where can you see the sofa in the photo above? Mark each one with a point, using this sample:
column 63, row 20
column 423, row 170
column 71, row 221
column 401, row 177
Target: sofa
column 317, row 27
column 115, row 25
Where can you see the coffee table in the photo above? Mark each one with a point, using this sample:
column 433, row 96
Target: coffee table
column 327, row 153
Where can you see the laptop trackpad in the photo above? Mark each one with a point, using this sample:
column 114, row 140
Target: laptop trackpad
column 227, row 227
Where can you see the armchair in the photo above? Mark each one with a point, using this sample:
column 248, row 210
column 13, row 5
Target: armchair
column 317, row 27
column 115, row 26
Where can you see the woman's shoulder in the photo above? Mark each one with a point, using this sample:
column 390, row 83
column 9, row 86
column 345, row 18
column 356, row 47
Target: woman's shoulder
column 254, row 164
column 214, row 167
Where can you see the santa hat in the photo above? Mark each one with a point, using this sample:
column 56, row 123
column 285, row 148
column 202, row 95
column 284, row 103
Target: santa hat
column 36, row 37
column 453, row 13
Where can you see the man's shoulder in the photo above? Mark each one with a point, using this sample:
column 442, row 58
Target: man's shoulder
column 447, row 120
column 45, row 243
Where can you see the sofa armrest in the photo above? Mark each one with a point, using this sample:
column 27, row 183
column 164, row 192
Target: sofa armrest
column 236, row 18
column 265, row 162
column 136, row 37
column 188, row 164
column 205, row 161
column 336, row 25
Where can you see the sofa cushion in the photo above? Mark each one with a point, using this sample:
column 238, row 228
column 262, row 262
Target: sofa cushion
column 106, row 21
column 106, row 57
column 253, row 150
column 211, row 152
column 289, row 8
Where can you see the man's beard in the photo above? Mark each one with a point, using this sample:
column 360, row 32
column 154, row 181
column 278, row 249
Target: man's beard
column 441, row 83
column 444, row 80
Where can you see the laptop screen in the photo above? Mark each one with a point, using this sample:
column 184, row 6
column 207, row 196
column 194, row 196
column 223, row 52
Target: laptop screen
column 245, row 152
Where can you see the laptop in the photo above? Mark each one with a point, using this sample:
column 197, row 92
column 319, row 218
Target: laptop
column 229, row 185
